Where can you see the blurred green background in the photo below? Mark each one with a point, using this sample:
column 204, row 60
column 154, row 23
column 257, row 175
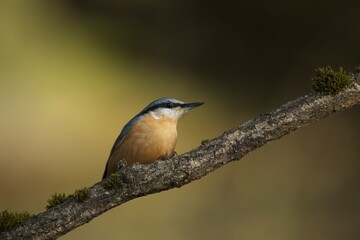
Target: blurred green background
column 72, row 73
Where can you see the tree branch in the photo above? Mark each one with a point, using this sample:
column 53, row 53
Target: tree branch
column 140, row 180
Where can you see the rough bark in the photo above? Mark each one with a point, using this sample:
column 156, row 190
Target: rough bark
column 140, row 180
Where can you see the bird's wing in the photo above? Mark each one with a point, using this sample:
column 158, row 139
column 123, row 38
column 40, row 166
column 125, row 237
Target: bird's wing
column 123, row 132
column 119, row 140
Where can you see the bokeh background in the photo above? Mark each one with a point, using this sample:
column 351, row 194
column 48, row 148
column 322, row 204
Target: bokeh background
column 72, row 73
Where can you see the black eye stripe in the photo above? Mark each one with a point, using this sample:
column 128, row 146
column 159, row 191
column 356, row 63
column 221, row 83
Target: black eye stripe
column 162, row 105
column 168, row 105
column 172, row 105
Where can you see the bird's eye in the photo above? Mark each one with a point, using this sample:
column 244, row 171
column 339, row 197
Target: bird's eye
column 170, row 105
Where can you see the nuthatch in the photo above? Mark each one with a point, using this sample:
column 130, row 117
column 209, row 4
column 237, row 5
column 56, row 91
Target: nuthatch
column 150, row 135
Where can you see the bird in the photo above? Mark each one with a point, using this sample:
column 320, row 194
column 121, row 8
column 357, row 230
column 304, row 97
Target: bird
column 150, row 135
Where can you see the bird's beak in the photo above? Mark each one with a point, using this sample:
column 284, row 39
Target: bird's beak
column 189, row 106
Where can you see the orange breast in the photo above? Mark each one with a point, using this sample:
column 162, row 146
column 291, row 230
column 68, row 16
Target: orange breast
column 148, row 139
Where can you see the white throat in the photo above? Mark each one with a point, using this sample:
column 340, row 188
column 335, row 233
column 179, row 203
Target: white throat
column 172, row 113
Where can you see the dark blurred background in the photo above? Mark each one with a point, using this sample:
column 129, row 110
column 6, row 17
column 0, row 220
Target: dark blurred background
column 72, row 73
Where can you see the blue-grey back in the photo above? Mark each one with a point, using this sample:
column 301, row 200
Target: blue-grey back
column 125, row 130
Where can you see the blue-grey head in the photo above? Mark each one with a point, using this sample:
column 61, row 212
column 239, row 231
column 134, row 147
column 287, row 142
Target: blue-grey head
column 161, row 108
column 169, row 108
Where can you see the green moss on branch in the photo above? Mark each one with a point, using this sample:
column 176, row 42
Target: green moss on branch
column 112, row 181
column 56, row 199
column 82, row 194
column 9, row 220
column 329, row 81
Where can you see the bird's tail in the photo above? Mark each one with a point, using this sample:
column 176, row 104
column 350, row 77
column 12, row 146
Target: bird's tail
column 105, row 172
